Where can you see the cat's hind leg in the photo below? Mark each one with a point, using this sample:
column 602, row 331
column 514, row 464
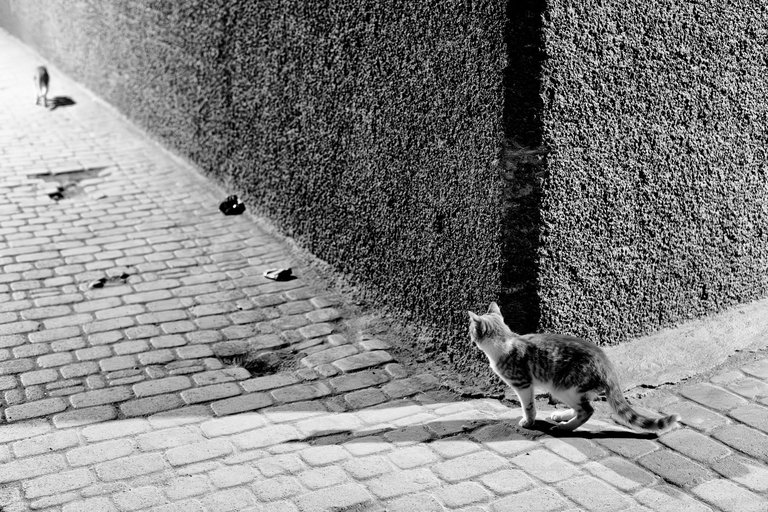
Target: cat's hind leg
column 582, row 409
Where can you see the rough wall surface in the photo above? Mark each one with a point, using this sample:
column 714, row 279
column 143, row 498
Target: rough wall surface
column 633, row 191
column 655, row 204
column 366, row 130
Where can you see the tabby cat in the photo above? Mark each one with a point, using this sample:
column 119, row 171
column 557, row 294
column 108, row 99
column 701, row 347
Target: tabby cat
column 572, row 370
column 42, row 81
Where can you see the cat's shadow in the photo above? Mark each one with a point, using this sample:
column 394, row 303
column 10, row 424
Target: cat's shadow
column 546, row 427
column 481, row 430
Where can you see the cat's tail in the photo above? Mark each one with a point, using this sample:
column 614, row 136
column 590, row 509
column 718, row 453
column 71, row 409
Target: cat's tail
column 633, row 418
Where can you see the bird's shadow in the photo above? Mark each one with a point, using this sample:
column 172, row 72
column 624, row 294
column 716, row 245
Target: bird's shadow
column 60, row 101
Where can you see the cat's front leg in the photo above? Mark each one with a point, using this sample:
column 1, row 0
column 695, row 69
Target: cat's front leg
column 525, row 395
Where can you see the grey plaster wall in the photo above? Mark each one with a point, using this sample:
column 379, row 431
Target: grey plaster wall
column 628, row 190
column 365, row 130
column 655, row 207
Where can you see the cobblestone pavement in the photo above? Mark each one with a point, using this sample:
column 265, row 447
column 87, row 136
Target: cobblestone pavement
column 113, row 399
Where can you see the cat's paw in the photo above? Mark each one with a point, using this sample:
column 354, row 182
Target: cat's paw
column 561, row 427
column 558, row 417
column 525, row 423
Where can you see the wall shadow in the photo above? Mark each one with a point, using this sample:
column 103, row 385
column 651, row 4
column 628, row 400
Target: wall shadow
column 522, row 164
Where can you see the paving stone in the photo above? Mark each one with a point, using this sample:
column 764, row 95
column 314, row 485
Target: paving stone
column 675, row 468
column 101, row 396
column 758, row 369
column 15, row 366
column 67, row 321
column 748, row 473
column 744, row 439
column 99, row 452
column 219, row 376
column 8, row 382
column 730, row 497
column 397, row 483
column 210, row 393
column 85, row 416
column 362, row 361
column 574, row 449
column 266, row 436
column 695, row 416
column 53, row 500
column 358, row 380
column 242, row 403
column 323, row 455
column 300, row 392
column 628, row 447
column 199, row 451
column 44, row 407
column 129, row 467
column 115, row 429
column 593, row 494
column 412, row 456
column 90, row 505
column 79, row 369
column 232, row 475
column 469, row 466
column 462, row 494
column 31, row 467
column 57, row 483
column 454, row 447
column 186, row 486
column 139, row 498
column 284, row 464
column 694, row 445
column 362, row 468
column 232, row 425
column 753, row 415
column 277, row 488
column 317, row 478
column 38, row 377
column 422, row 502
column 328, row 355
column 54, row 441
column 151, row 405
column 156, row 357
column 620, row 473
column 506, row 481
column 91, row 353
column 364, row 398
column 749, row 388
column 503, row 438
column 229, row 500
column 712, row 396
column 324, row 315
column 539, row 499
column 53, row 360
column 161, row 386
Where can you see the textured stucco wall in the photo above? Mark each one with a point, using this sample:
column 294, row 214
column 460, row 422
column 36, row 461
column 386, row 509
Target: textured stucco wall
column 365, row 130
column 655, row 205
column 632, row 191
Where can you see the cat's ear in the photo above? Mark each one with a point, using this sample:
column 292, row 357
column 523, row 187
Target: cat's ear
column 473, row 317
column 494, row 308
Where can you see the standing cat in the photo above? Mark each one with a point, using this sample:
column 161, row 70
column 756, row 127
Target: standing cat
column 42, row 81
column 571, row 369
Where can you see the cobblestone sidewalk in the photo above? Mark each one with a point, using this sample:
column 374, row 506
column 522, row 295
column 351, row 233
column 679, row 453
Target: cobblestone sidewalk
column 121, row 282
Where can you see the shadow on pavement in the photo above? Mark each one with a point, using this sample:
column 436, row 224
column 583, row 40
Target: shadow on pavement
column 60, row 101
